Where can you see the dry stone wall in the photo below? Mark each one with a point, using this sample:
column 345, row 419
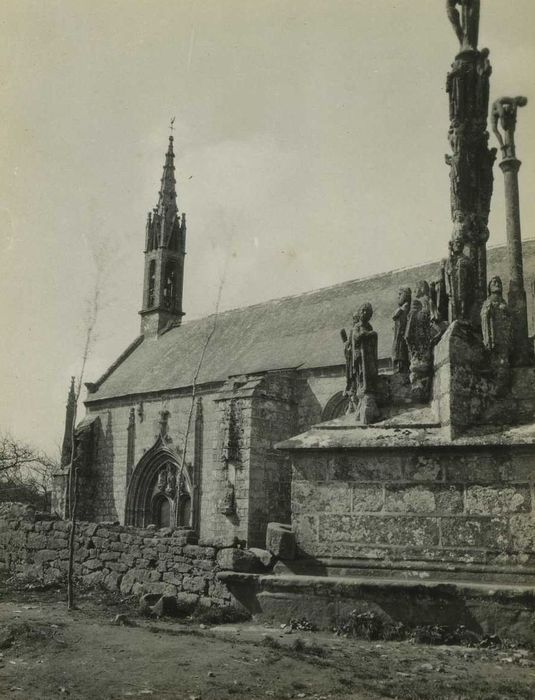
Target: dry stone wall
column 126, row 559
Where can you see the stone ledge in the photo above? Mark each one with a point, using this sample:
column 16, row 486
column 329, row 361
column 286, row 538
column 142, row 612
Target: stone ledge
column 506, row 610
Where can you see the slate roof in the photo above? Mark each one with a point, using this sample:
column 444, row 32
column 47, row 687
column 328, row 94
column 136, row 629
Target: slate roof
column 300, row 331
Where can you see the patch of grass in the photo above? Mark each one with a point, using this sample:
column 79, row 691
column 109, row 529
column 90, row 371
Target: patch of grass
column 311, row 648
column 270, row 643
column 29, row 634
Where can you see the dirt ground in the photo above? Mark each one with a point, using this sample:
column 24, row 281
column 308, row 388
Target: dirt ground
column 46, row 652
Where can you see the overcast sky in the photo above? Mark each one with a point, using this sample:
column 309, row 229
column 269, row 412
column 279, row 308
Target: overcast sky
column 310, row 140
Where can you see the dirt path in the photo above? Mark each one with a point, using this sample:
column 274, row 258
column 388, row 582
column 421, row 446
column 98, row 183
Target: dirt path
column 53, row 654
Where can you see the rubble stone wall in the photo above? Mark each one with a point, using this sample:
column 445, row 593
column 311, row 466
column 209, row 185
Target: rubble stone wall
column 126, row 559
column 473, row 507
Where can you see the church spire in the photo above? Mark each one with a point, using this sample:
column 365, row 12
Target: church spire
column 167, row 195
column 165, row 249
column 66, row 448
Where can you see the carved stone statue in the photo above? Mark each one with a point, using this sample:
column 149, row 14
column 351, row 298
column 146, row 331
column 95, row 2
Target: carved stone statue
column 496, row 326
column 460, row 281
column 466, row 22
column 503, row 114
column 439, row 297
column 400, row 355
column 227, row 502
column 418, row 336
column 423, row 295
column 360, row 349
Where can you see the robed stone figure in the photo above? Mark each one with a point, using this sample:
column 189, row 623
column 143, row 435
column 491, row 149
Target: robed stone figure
column 360, row 349
column 400, row 355
column 496, row 327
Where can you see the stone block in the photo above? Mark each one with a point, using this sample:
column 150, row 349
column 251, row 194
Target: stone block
column 366, row 466
column 424, row 499
column 93, row 564
column 94, row 578
column 366, row 498
column 280, row 541
column 522, row 529
column 174, row 579
column 480, row 532
column 109, row 556
column 36, row 541
column 497, row 500
column 313, row 497
column 409, row 499
column 265, row 558
column 423, row 467
column 165, row 606
column 182, row 567
column 194, row 584
column 234, row 559
column 112, row 581
column 379, row 530
column 521, row 466
column 45, row 555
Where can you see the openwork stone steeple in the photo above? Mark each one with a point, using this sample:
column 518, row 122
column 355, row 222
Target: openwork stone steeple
column 165, row 248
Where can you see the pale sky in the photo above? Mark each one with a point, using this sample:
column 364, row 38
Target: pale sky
column 310, row 140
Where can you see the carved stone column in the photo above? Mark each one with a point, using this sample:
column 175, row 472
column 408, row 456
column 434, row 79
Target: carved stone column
column 504, row 115
column 471, row 160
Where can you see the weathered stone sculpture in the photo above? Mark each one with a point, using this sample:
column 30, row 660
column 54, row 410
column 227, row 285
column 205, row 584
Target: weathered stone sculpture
column 418, row 337
column 400, row 354
column 460, row 281
column 497, row 334
column 466, row 23
column 503, row 115
column 471, row 161
column 423, row 294
column 360, row 349
column 439, row 297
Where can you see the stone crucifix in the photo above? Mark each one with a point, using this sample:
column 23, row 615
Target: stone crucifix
column 466, row 22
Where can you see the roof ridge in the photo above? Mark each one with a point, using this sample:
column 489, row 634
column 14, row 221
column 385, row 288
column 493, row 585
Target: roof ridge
column 376, row 275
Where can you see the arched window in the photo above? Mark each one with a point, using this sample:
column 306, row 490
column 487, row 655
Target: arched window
column 152, row 284
column 170, row 287
column 335, row 407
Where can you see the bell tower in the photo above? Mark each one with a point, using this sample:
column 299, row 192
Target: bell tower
column 165, row 249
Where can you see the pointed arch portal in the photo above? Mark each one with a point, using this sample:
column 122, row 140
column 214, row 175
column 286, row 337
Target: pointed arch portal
column 155, row 494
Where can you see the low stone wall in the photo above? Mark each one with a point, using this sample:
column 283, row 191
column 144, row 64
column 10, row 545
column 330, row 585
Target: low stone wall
column 435, row 510
column 125, row 559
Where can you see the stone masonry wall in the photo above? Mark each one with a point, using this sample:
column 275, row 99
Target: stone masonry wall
column 461, row 507
column 131, row 560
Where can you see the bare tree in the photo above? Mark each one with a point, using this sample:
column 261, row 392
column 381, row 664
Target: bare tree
column 25, row 469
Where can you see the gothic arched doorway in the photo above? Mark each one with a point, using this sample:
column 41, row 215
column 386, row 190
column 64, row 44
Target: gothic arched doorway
column 157, row 493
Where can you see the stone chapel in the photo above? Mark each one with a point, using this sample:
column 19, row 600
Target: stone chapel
column 181, row 429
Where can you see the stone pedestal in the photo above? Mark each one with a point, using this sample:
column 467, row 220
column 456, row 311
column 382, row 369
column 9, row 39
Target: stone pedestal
column 460, row 391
